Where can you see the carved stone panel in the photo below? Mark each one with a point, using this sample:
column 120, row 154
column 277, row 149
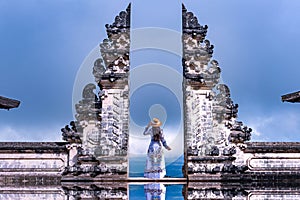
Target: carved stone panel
column 103, row 119
column 210, row 126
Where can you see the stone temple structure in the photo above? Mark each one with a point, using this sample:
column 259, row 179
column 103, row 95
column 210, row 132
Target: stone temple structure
column 102, row 120
column 6, row 103
column 213, row 136
column 292, row 97
column 92, row 163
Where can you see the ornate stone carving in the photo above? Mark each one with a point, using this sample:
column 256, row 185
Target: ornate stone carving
column 70, row 134
column 190, row 25
column 121, row 23
column 111, row 74
column 85, row 163
column 210, row 122
column 89, row 108
column 217, row 193
column 114, row 63
column 239, row 133
column 102, row 120
column 95, row 192
column 224, row 108
column 197, row 52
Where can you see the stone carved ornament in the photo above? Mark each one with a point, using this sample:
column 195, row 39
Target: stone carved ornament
column 113, row 65
column 198, row 67
column 223, row 136
column 115, row 49
column 95, row 192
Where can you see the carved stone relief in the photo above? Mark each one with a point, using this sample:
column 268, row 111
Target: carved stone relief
column 210, row 117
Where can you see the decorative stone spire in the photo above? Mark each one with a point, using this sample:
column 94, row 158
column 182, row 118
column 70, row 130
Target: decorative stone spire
column 103, row 119
column 114, row 63
column 121, row 23
column 191, row 26
column 197, row 52
column 210, row 125
column 111, row 74
column 89, row 107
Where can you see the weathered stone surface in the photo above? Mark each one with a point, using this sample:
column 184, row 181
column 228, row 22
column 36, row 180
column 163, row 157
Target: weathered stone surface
column 71, row 134
column 210, row 116
column 271, row 189
column 114, row 63
column 32, row 159
column 6, row 103
column 112, row 76
column 101, row 128
column 94, row 191
column 272, row 147
column 29, row 180
column 35, row 192
column 190, row 25
column 33, row 147
column 292, row 97
column 38, row 188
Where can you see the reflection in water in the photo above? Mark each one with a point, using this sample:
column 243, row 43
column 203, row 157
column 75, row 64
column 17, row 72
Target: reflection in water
column 153, row 191
column 251, row 190
column 173, row 167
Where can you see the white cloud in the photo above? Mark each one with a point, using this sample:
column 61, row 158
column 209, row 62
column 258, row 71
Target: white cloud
column 10, row 134
column 22, row 134
column 283, row 126
column 259, row 123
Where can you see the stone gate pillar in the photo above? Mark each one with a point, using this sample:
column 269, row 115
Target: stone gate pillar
column 211, row 132
column 112, row 76
column 101, row 129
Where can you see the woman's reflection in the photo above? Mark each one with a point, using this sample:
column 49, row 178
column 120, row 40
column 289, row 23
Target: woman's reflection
column 155, row 191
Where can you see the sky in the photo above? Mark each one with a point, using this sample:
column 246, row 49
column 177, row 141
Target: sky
column 44, row 43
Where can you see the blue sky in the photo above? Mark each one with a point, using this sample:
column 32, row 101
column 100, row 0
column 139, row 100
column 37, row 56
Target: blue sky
column 43, row 44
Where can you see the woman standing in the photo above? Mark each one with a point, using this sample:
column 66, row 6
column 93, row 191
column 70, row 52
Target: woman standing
column 155, row 164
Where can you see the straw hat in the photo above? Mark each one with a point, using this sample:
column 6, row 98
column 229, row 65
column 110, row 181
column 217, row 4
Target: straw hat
column 155, row 122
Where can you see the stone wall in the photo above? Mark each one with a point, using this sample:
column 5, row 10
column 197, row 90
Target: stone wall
column 241, row 191
column 32, row 159
column 32, row 170
column 32, row 193
column 272, row 156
